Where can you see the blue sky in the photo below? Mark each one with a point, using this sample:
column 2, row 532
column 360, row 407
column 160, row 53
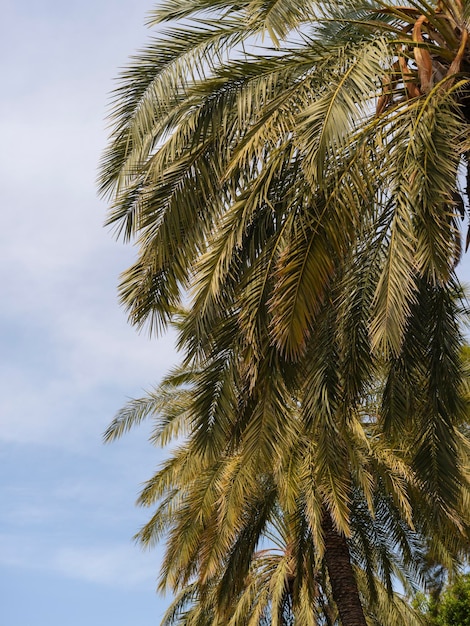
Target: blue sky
column 68, row 358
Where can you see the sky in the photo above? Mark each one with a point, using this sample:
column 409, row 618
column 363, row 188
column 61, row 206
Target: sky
column 69, row 360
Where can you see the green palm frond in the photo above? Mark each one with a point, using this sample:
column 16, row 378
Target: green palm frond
column 339, row 109
column 290, row 170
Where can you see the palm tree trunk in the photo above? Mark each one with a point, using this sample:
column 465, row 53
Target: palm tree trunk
column 342, row 580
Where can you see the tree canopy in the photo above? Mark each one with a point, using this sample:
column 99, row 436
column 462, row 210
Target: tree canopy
column 450, row 606
column 290, row 173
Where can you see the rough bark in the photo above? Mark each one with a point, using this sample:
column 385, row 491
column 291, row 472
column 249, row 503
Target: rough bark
column 342, row 580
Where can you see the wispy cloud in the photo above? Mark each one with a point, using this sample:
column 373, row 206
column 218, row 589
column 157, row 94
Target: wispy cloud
column 116, row 565
column 68, row 357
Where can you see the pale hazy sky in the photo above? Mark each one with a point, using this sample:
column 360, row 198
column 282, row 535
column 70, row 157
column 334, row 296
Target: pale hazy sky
column 68, row 357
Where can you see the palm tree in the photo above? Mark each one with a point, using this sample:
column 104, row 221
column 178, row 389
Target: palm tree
column 216, row 507
column 282, row 588
column 304, row 189
column 265, row 181
column 246, row 465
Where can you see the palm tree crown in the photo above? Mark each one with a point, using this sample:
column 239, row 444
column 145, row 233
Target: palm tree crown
column 290, row 171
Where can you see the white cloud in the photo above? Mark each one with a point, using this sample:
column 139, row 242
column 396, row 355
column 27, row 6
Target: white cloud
column 115, row 565
column 59, row 275
column 118, row 565
column 24, row 513
column 69, row 359
column 90, row 372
